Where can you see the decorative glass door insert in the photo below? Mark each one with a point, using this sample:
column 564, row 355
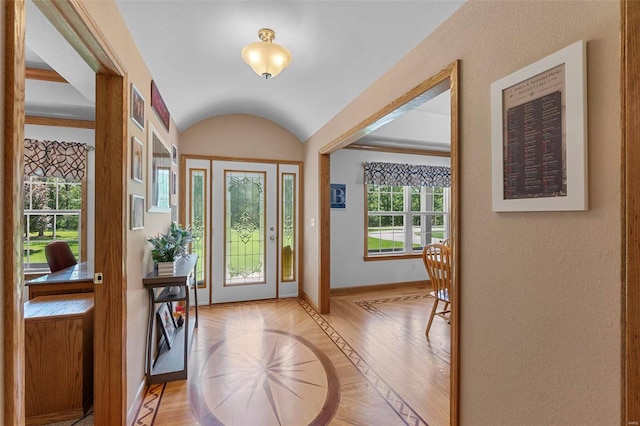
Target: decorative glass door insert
column 244, row 240
column 245, row 233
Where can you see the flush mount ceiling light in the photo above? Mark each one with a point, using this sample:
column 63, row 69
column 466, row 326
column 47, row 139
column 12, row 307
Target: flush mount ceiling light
column 265, row 57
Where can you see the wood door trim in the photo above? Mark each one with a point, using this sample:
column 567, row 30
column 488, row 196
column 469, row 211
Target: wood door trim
column 396, row 150
column 13, row 281
column 445, row 79
column 59, row 122
column 75, row 24
column 44, row 75
column 630, row 119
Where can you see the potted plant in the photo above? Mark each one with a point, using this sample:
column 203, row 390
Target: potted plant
column 168, row 247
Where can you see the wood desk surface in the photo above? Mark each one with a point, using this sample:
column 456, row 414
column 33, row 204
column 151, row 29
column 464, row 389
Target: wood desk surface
column 77, row 273
column 63, row 305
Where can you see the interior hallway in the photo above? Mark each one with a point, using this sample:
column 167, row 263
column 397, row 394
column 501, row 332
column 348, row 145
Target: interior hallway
column 281, row 363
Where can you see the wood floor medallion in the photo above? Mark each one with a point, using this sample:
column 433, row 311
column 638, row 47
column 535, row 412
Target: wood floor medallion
column 279, row 362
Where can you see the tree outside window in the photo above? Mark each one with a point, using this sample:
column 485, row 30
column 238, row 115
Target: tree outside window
column 52, row 211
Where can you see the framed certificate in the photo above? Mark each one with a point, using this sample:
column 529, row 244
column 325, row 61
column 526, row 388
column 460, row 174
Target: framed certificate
column 539, row 135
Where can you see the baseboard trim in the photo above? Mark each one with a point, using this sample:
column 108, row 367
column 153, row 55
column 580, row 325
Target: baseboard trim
column 137, row 403
column 307, row 299
column 378, row 287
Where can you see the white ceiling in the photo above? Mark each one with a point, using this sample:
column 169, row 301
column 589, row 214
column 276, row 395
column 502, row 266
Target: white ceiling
column 192, row 49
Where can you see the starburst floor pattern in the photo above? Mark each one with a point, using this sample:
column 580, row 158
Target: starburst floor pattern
column 263, row 378
column 279, row 362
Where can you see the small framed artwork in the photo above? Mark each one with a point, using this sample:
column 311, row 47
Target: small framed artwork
column 137, row 212
column 158, row 105
column 539, row 135
column 167, row 324
column 174, row 183
column 137, row 107
column 136, row 159
column 174, row 154
column 338, row 196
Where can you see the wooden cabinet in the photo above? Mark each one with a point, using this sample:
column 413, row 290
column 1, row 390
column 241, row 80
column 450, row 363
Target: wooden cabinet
column 168, row 363
column 58, row 357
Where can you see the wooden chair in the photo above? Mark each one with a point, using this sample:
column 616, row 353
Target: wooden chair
column 437, row 261
column 447, row 242
column 59, row 255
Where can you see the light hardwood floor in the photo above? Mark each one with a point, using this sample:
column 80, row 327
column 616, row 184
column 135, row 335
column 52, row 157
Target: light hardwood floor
column 281, row 363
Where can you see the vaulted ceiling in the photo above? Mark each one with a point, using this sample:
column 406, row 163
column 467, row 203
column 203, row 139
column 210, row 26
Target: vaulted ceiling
column 192, row 49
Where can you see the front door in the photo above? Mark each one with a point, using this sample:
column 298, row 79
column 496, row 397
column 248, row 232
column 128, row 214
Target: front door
column 245, row 223
column 244, row 265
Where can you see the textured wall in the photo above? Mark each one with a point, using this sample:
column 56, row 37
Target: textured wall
column 240, row 136
column 138, row 258
column 540, row 292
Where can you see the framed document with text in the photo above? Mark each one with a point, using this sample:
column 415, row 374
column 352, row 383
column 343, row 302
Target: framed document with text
column 539, row 135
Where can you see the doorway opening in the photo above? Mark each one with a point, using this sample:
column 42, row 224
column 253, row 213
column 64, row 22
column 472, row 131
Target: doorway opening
column 74, row 23
column 447, row 79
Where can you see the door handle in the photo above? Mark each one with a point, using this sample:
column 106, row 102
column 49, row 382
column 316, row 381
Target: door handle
column 272, row 238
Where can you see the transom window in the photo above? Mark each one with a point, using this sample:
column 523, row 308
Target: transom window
column 401, row 220
column 52, row 211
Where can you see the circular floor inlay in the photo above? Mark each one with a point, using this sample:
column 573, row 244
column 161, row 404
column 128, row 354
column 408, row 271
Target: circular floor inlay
column 270, row 377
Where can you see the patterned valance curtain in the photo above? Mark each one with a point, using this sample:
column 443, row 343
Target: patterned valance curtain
column 67, row 160
column 407, row 175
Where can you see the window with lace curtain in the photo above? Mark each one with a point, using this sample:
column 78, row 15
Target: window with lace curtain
column 54, row 207
column 407, row 208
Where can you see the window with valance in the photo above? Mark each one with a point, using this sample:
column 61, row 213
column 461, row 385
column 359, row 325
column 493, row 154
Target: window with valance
column 54, row 206
column 407, row 207
column 66, row 160
column 397, row 174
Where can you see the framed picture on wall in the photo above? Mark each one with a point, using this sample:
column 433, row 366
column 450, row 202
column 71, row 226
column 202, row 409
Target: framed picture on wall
column 174, row 183
column 137, row 148
column 174, row 154
column 137, row 107
column 137, row 212
column 539, row 135
column 158, row 105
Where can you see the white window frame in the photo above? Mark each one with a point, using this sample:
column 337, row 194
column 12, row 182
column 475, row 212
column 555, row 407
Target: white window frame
column 407, row 215
column 29, row 266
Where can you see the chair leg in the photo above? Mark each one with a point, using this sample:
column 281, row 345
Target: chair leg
column 433, row 313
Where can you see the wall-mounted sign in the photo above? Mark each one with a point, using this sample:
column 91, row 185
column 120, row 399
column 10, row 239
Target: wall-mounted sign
column 338, row 196
column 158, row 105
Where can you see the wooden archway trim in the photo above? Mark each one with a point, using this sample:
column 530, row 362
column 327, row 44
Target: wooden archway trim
column 12, row 316
column 429, row 88
column 73, row 21
column 630, row 119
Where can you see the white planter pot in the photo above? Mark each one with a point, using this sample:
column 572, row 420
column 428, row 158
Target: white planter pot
column 166, row 268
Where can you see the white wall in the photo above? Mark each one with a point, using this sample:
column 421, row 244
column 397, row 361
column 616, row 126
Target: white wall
column 86, row 136
column 348, row 269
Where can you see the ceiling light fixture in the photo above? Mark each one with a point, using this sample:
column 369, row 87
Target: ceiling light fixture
column 265, row 57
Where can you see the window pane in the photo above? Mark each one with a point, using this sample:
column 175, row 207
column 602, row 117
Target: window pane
column 425, row 213
column 52, row 211
column 388, row 236
column 288, row 230
column 197, row 220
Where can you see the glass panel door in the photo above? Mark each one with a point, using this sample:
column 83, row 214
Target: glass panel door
column 244, row 231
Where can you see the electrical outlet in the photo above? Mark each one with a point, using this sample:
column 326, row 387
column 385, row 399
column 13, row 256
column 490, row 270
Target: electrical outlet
column 97, row 278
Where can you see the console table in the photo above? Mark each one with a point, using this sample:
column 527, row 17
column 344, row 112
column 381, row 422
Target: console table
column 164, row 363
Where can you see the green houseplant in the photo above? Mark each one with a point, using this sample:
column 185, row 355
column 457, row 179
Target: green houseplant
column 168, row 247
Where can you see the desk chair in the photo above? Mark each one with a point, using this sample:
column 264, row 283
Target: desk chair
column 59, row 255
column 437, row 261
